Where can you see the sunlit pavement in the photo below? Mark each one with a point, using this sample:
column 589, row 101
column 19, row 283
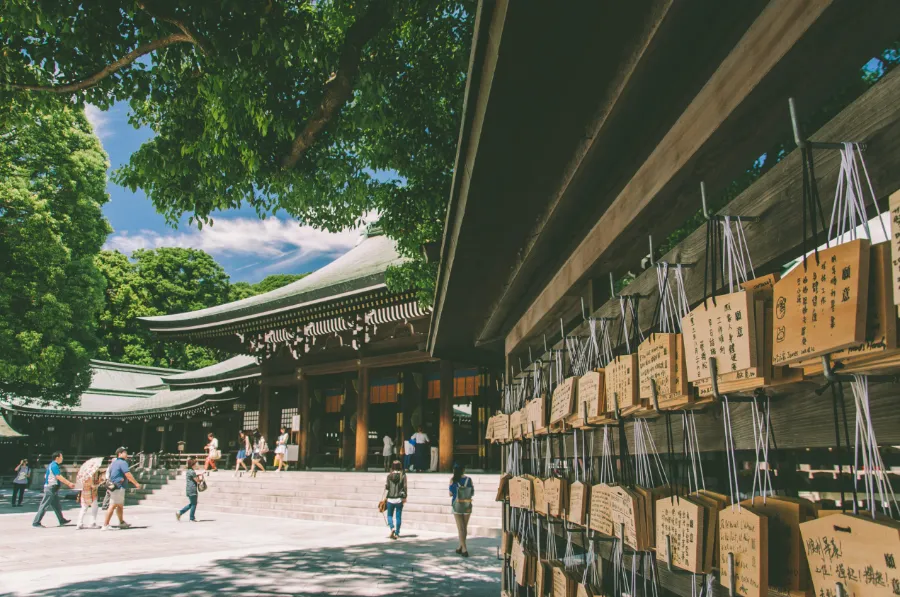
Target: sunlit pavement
column 231, row 554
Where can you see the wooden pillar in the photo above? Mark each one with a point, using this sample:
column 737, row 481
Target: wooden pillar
column 184, row 433
column 445, row 449
column 303, row 410
column 162, row 438
column 347, row 439
column 362, row 419
column 144, row 437
column 264, row 395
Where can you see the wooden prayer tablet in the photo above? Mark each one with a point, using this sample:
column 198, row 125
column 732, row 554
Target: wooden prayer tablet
column 520, row 492
column 536, row 415
column 563, row 586
column 506, row 539
column 501, row 428
column 556, row 495
column 583, row 591
column 621, row 379
column 625, row 508
column 542, row 578
column 859, row 552
column 563, row 402
column 517, row 421
column 592, row 391
column 540, row 500
column 895, row 247
column 682, row 520
column 744, row 533
column 656, row 362
column 787, row 563
column 821, row 308
column 503, row 487
column 522, row 564
column 579, row 496
column 721, row 328
column 711, row 529
column 601, row 509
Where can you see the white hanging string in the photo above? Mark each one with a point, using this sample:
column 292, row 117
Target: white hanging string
column 606, row 467
column 875, row 477
column 762, row 476
column 669, row 317
column 736, row 255
column 849, row 209
column 625, row 325
column 606, row 343
column 733, row 489
column 689, row 428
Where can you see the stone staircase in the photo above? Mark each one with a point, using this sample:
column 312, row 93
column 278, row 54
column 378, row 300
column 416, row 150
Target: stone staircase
column 344, row 497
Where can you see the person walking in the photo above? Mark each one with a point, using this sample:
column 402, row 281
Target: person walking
column 409, row 452
column 260, row 449
column 192, row 482
column 52, row 478
column 281, row 450
column 244, row 452
column 212, row 451
column 20, row 482
column 423, row 454
column 395, row 485
column 388, row 452
column 118, row 475
column 88, row 499
column 461, row 492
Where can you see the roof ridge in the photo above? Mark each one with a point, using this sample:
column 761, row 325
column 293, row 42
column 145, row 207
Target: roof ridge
column 114, row 366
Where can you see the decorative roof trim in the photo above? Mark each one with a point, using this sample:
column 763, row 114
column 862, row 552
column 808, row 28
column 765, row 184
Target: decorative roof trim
column 110, row 365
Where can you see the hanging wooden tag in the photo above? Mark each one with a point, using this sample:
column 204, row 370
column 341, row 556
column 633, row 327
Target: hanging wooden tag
column 861, row 553
column 563, row 586
column 556, row 495
column 583, row 591
column 822, row 308
column 681, row 520
column 536, row 411
column 501, row 428
column 519, row 562
column 625, row 509
column 601, row 509
column 520, row 492
column 503, row 487
column 711, row 529
column 578, row 500
column 592, row 391
column 745, row 534
column 517, row 421
column 787, row 564
column 721, row 328
column 489, row 430
column 506, row 543
column 621, row 380
column 542, row 578
column 656, row 362
column 540, row 500
column 895, row 247
column 563, row 402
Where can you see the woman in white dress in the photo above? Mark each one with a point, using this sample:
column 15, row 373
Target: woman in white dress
column 281, row 451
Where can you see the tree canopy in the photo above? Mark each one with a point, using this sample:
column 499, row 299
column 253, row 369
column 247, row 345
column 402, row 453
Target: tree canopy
column 242, row 290
column 52, row 185
column 157, row 282
column 291, row 105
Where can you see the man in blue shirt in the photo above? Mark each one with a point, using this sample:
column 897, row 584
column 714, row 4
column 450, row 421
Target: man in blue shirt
column 118, row 473
column 52, row 478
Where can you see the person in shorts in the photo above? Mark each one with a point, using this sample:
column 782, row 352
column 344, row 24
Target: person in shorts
column 281, row 450
column 244, row 452
column 118, row 476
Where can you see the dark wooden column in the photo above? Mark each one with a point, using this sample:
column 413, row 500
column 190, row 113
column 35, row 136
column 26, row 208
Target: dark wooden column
column 184, row 433
column 264, row 395
column 362, row 419
column 303, row 410
column 445, row 449
column 162, row 438
column 144, row 436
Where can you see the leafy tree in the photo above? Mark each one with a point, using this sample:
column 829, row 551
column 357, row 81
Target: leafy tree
column 52, row 184
column 157, row 282
column 242, row 290
column 291, row 104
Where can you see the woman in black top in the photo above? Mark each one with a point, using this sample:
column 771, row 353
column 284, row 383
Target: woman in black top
column 395, row 486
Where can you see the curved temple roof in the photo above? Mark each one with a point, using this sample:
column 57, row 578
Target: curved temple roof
column 230, row 370
column 360, row 269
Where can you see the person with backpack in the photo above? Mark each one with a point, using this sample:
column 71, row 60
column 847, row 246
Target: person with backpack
column 395, row 486
column 260, row 449
column 52, row 478
column 461, row 492
column 194, row 484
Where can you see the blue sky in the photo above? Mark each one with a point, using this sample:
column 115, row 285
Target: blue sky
column 248, row 248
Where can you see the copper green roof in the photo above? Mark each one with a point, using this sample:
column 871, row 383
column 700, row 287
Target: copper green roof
column 239, row 368
column 360, row 270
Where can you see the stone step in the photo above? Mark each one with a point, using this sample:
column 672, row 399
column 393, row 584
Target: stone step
column 475, row 530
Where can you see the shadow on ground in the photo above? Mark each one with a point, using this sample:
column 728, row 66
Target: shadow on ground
column 32, row 500
column 421, row 568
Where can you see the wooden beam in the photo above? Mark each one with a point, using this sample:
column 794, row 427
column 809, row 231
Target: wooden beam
column 781, row 25
column 303, row 410
column 362, row 420
column 445, row 431
column 408, row 357
column 263, row 425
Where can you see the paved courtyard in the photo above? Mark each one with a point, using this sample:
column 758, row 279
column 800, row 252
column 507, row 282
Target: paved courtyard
column 229, row 554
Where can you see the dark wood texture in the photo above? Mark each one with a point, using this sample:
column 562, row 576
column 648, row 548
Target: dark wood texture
column 362, row 420
column 445, row 446
column 303, row 410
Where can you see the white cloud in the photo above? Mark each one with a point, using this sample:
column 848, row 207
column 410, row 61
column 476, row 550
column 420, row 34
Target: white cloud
column 272, row 239
column 99, row 121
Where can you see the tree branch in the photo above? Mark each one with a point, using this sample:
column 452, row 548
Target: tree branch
column 339, row 87
column 197, row 39
column 122, row 62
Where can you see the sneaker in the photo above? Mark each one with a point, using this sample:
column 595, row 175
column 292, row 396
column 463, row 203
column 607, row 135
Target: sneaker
column 64, row 522
column 79, row 527
column 94, row 525
column 178, row 516
column 392, row 535
column 106, row 527
column 37, row 525
column 194, row 520
column 124, row 525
